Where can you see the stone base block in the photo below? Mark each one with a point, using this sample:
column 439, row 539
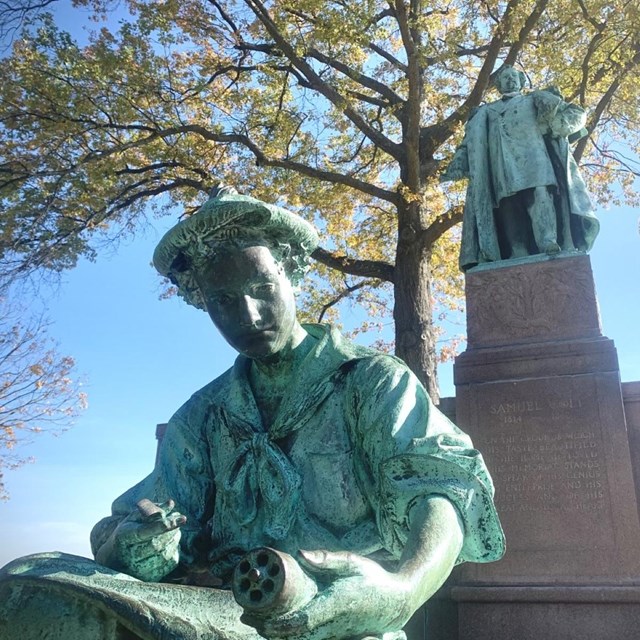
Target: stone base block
column 558, row 450
column 552, row 300
column 631, row 399
column 548, row 613
column 541, row 399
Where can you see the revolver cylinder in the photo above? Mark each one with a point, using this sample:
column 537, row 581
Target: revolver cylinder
column 269, row 582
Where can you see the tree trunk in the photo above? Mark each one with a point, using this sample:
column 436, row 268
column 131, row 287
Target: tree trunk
column 413, row 308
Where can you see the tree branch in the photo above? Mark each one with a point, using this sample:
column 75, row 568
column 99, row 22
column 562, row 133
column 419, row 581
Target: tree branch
column 359, row 77
column 365, row 268
column 319, row 85
column 410, row 165
column 440, row 225
column 161, row 165
column 14, row 13
column 620, row 159
column 345, row 293
column 285, row 163
column 388, row 57
column 527, row 28
column 605, row 101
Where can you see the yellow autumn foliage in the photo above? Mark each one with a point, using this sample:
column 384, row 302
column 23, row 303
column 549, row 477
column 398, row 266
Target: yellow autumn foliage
column 343, row 111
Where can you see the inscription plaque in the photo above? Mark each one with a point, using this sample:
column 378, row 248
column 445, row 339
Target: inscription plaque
column 546, row 456
column 562, row 481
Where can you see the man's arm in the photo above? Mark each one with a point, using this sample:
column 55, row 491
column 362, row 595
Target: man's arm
column 149, row 543
column 414, row 466
column 360, row 597
column 561, row 119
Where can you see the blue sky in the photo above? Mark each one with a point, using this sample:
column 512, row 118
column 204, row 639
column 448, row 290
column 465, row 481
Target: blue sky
column 143, row 357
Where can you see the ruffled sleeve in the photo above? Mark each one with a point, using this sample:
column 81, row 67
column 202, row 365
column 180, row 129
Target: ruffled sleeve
column 407, row 450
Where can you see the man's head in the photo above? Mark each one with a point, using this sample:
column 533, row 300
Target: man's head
column 509, row 80
column 239, row 259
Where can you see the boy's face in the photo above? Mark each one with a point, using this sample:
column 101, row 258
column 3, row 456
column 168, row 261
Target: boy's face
column 250, row 299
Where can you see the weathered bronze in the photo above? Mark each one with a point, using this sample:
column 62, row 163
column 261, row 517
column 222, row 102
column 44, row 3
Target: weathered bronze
column 267, row 582
column 328, row 453
column 525, row 194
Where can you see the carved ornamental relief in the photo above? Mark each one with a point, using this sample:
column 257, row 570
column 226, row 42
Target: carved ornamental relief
column 531, row 302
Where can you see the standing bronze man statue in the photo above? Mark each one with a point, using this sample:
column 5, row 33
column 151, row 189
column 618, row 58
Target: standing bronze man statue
column 328, row 453
column 525, row 194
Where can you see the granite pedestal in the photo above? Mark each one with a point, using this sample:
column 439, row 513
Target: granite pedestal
column 538, row 389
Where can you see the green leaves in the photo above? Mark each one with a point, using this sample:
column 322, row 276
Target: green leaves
column 344, row 111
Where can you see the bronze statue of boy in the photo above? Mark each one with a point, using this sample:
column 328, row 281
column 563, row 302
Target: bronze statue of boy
column 309, row 445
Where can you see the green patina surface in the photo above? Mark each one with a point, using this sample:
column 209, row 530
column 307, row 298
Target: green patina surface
column 525, row 194
column 310, row 445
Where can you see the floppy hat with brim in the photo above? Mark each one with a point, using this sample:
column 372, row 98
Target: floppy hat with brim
column 228, row 216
